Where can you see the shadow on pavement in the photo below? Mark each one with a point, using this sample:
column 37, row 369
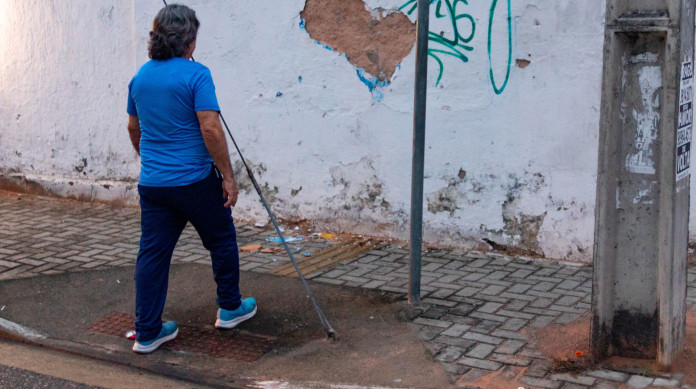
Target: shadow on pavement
column 375, row 346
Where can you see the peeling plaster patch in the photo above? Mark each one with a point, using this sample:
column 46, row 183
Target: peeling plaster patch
column 374, row 40
column 523, row 63
column 523, row 228
column 460, row 190
column 462, row 174
column 444, row 200
column 557, row 227
column 523, row 203
column 361, row 189
column 643, row 197
column 644, row 58
column 618, row 197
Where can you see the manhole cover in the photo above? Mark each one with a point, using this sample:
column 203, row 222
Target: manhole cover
column 210, row 342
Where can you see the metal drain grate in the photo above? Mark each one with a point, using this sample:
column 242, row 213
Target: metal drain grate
column 325, row 258
column 210, row 342
column 115, row 323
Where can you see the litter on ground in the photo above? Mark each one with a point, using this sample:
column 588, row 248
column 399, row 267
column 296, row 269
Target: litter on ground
column 287, row 240
column 250, row 248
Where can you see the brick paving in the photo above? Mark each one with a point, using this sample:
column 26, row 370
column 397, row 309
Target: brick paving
column 480, row 306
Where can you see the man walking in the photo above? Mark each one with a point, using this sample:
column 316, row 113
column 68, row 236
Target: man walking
column 185, row 176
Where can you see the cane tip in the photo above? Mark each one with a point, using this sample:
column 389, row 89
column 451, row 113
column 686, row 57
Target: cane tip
column 332, row 334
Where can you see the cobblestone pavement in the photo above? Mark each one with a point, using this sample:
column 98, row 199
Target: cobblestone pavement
column 481, row 305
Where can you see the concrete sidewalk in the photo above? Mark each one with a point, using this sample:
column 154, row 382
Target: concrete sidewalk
column 482, row 308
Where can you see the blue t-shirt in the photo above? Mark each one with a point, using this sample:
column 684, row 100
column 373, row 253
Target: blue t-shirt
column 165, row 96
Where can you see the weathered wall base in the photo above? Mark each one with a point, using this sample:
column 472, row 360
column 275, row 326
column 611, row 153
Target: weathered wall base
column 115, row 192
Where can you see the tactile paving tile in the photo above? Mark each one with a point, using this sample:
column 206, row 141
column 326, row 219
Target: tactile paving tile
column 324, row 259
column 210, row 342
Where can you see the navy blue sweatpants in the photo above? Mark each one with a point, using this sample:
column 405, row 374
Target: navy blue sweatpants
column 165, row 211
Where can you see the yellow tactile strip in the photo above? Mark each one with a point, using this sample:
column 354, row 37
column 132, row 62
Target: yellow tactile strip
column 325, row 258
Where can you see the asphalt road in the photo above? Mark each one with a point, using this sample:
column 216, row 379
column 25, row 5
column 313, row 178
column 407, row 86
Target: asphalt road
column 12, row 377
column 24, row 366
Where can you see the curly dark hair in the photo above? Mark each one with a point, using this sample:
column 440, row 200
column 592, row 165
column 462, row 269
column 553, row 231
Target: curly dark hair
column 174, row 29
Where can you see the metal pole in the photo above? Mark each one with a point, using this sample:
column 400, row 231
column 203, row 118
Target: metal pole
column 418, row 150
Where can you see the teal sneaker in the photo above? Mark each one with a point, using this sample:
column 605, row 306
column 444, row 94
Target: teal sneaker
column 169, row 331
column 230, row 319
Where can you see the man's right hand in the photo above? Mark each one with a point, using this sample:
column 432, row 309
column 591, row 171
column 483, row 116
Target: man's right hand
column 229, row 192
column 214, row 139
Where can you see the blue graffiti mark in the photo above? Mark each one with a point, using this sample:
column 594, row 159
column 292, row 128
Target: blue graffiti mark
column 369, row 80
column 373, row 84
column 303, row 25
column 327, row 47
column 299, row 79
column 279, row 94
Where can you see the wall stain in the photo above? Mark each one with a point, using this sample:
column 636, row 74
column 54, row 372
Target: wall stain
column 525, row 228
column 635, row 334
column 361, row 191
column 270, row 194
column 445, row 200
column 245, row 185
column 520, row 231
column 81, row 167
column 106, row 15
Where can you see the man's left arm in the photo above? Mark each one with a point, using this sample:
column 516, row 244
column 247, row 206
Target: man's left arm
column 134, row 132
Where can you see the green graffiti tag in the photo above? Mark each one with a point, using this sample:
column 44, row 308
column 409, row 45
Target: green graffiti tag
column 458, row 45
column 444, row 46
column 499, row 90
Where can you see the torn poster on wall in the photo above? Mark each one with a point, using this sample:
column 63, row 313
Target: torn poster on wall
column 645, row 115
column 686, row 115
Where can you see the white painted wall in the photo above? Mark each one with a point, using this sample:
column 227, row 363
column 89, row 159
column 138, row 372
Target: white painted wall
column 530, row 153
